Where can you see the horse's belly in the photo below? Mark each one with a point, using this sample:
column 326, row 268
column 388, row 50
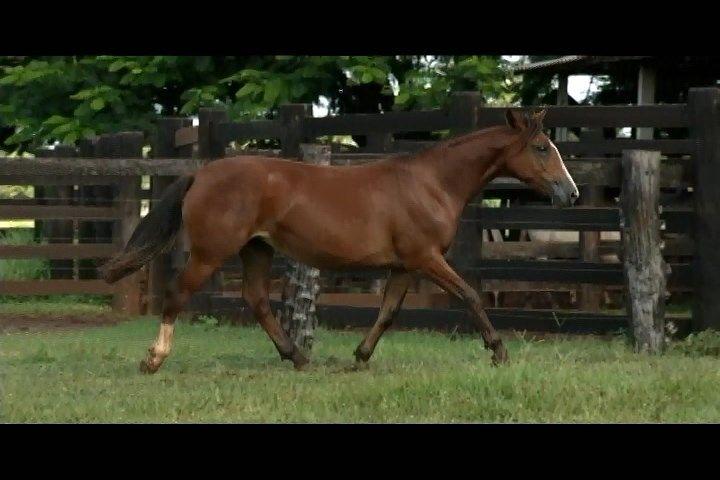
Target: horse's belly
column 332, row 249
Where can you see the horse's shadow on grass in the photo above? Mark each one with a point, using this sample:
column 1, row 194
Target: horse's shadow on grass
column 330, row 364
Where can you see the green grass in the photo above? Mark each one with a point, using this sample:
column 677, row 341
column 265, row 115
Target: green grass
column 28, row 269
column 53, row 304
column 233, row 374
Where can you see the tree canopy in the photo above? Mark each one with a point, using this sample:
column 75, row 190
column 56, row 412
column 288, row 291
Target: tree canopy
column 66, row 98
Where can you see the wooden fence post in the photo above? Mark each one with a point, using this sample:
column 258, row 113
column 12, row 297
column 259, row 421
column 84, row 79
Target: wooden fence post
column 102, row 146
column 162, row 268
column 704, row 110
column 298, row 315
column 590, row 195
column 291, row 117
column 128, row 296
column 463, row 111
column 210, row 147
column 645, row 268
column 59, row 231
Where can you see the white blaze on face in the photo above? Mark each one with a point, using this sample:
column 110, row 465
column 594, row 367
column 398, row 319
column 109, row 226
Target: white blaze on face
column 569, row 179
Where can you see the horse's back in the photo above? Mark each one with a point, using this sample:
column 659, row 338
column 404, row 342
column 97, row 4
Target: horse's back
column 317, row 214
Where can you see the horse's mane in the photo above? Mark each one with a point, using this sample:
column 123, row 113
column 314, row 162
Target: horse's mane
column 534, row 126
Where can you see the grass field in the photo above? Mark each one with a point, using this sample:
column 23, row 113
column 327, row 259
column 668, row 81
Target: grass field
column 233, row 374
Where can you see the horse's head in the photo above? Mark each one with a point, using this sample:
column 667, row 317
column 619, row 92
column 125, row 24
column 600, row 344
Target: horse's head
column 535, row 160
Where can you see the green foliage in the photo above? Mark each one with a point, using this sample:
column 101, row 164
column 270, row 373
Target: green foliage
column 430, row 80
column 67, row 98
column 705, row 343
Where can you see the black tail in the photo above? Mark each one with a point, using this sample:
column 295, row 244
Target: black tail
column 155, row 233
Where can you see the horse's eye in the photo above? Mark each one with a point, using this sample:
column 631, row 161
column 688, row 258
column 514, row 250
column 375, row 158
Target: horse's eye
column 541, row 148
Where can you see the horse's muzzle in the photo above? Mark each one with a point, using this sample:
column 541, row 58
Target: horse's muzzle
column 564, row 195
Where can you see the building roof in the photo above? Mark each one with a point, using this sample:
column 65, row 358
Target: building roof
column 574, row 63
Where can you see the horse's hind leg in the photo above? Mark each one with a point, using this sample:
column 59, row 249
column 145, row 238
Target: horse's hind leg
column 395, row 290
column 257, row 256
column 197, row 270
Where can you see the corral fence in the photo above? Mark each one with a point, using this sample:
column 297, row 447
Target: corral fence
column 97, row 194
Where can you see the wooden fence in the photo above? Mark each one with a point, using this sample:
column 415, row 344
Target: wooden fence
column 686, row 135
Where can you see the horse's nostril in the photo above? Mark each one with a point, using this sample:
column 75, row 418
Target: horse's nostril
column 574, row 195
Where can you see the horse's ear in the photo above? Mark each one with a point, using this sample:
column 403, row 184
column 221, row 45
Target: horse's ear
column 516, row 120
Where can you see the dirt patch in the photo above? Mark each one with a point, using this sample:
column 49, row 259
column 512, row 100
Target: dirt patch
column 43, row 322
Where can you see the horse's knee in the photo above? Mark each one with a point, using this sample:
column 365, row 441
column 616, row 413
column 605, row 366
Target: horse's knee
column 257, row 301
column 472, row 298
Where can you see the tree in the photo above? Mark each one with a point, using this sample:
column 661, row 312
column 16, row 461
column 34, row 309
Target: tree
column 66, row 98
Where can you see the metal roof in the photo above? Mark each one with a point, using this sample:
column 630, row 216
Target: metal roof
column 569, row 61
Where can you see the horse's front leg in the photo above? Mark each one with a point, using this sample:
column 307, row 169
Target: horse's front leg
column 395, row 289
column 444, row 276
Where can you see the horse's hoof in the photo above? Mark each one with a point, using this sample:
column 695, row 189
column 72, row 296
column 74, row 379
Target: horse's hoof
column 500, row 355
column 299, row 360
column 146, row 367
column 361, row 365
column 300, row 365
column 361, row 356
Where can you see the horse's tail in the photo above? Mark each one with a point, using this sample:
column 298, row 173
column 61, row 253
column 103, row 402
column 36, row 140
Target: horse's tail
column 155, row 233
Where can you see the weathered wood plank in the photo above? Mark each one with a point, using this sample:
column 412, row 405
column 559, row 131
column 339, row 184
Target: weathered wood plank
column 186, row 136
column 569, row 250
column 370, row 123
column 671, row 115
column 255, row 129
column 43, row 212
column 616, row 146
column 704, row 104
column 55, row 287
column 81, row 171
column 94, row 167
column 677, row 219
column 57, row 251
column 645, row 268
column 565, row 271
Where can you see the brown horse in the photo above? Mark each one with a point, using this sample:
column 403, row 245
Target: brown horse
column 399, row 213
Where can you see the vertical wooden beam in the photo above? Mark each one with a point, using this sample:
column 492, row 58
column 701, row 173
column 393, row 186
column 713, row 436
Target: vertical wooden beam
column 211, row 146
column 590, row 195
column 646, row 96
column 86, row 230
column 59, row 231
column 103, row 146
column 704, row 110
column 645, row 268
column 128, row 296
column 561, row 133
column 467, row 246
column 291, row 118
column 161, row 269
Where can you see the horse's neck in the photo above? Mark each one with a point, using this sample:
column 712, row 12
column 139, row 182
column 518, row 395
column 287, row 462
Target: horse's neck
column 463, row 166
